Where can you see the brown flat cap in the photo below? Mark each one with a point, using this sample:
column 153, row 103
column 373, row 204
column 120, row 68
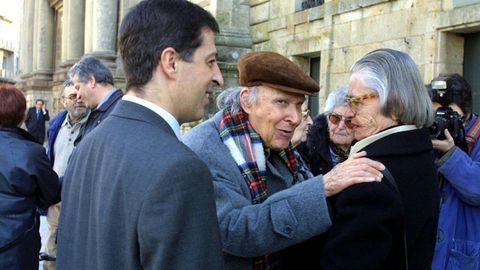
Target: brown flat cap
column 276, row 71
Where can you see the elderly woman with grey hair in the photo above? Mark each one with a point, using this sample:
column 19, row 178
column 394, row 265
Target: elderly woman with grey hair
column 375, row 225
column 330, row 136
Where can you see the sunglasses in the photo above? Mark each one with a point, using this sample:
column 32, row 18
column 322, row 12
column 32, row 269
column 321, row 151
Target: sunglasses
column 305, row 114
column 355, row 101
column 337, row 118
column 72, row 97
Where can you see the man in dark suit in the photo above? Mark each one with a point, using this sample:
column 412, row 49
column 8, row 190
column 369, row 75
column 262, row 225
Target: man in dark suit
column 35, row 120
column 134, row 196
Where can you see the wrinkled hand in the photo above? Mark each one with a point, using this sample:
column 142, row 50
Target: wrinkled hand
column 356, row 169
column 444, row 145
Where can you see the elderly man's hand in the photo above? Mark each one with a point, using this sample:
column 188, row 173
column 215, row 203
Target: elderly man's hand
column 356, row 169
column 444, row 145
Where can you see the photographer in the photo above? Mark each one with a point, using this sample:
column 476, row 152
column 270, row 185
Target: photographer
column 458, row 161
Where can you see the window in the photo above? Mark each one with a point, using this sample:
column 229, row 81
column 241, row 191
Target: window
column 306, row 4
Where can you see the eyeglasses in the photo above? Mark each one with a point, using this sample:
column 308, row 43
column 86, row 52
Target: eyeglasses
column 337, row 118
column 72, row 97
column 354, row 101
column 305, row 114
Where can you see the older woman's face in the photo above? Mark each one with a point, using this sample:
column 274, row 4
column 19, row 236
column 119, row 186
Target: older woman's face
column 364, row 102
column 339, row 133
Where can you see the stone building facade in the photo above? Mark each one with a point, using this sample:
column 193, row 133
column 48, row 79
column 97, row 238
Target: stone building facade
column 325, row 37
column 57, row 33
column 441, row 35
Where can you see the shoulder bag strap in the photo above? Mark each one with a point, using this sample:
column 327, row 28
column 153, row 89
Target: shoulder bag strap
column 472, row 135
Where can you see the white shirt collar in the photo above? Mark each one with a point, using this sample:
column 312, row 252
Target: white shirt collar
column 171, row 121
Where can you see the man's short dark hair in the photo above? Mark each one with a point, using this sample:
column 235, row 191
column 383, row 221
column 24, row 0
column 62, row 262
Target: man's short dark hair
column 152, row 26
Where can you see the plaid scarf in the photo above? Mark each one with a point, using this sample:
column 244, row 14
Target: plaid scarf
column 247, row 150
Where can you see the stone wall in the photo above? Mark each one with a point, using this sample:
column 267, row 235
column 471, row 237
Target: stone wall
column 341, row 31
column 57, row 33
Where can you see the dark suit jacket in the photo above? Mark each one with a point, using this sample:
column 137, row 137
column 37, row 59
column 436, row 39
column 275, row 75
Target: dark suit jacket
column 315, row 151
column 99, row 114
column 35, row 126
column 137, row 198
column 368, row 219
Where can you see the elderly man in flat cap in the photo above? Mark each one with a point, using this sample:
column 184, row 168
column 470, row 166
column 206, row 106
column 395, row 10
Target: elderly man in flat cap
column 262, row 208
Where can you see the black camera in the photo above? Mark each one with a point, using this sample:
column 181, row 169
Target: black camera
column 445, row 117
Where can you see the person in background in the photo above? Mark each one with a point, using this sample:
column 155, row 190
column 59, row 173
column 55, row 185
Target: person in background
column 262, row 207
column 330, row 136
column 391, row 224
column 93, row 81
column 63, row 129
column 300, row 136
column 458, row 236
column 134, row 196
column 27, row 182
column 35, row 120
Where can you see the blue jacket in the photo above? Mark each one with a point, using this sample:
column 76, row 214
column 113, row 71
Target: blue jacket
column 52, row 132
column 458, row 239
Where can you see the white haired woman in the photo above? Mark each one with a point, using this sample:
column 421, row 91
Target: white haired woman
column 375, row 225
column 330, row 136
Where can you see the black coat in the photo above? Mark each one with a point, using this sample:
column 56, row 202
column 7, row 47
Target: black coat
column 36, row 126
column 27, row 182
column 315, row 151
column 97, row 115
column 368, row 219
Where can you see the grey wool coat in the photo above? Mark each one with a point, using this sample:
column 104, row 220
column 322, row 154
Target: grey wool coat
column 290, row 215
column 135, row 197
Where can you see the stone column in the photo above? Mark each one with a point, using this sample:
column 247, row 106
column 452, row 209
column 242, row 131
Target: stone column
column 27, row 38
column 88, row 26
column 102, row 35
column 233, row 41
column 43, row 40
column 60, row 71
column 125, row 6
column 73, row 31
column 41, row 52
